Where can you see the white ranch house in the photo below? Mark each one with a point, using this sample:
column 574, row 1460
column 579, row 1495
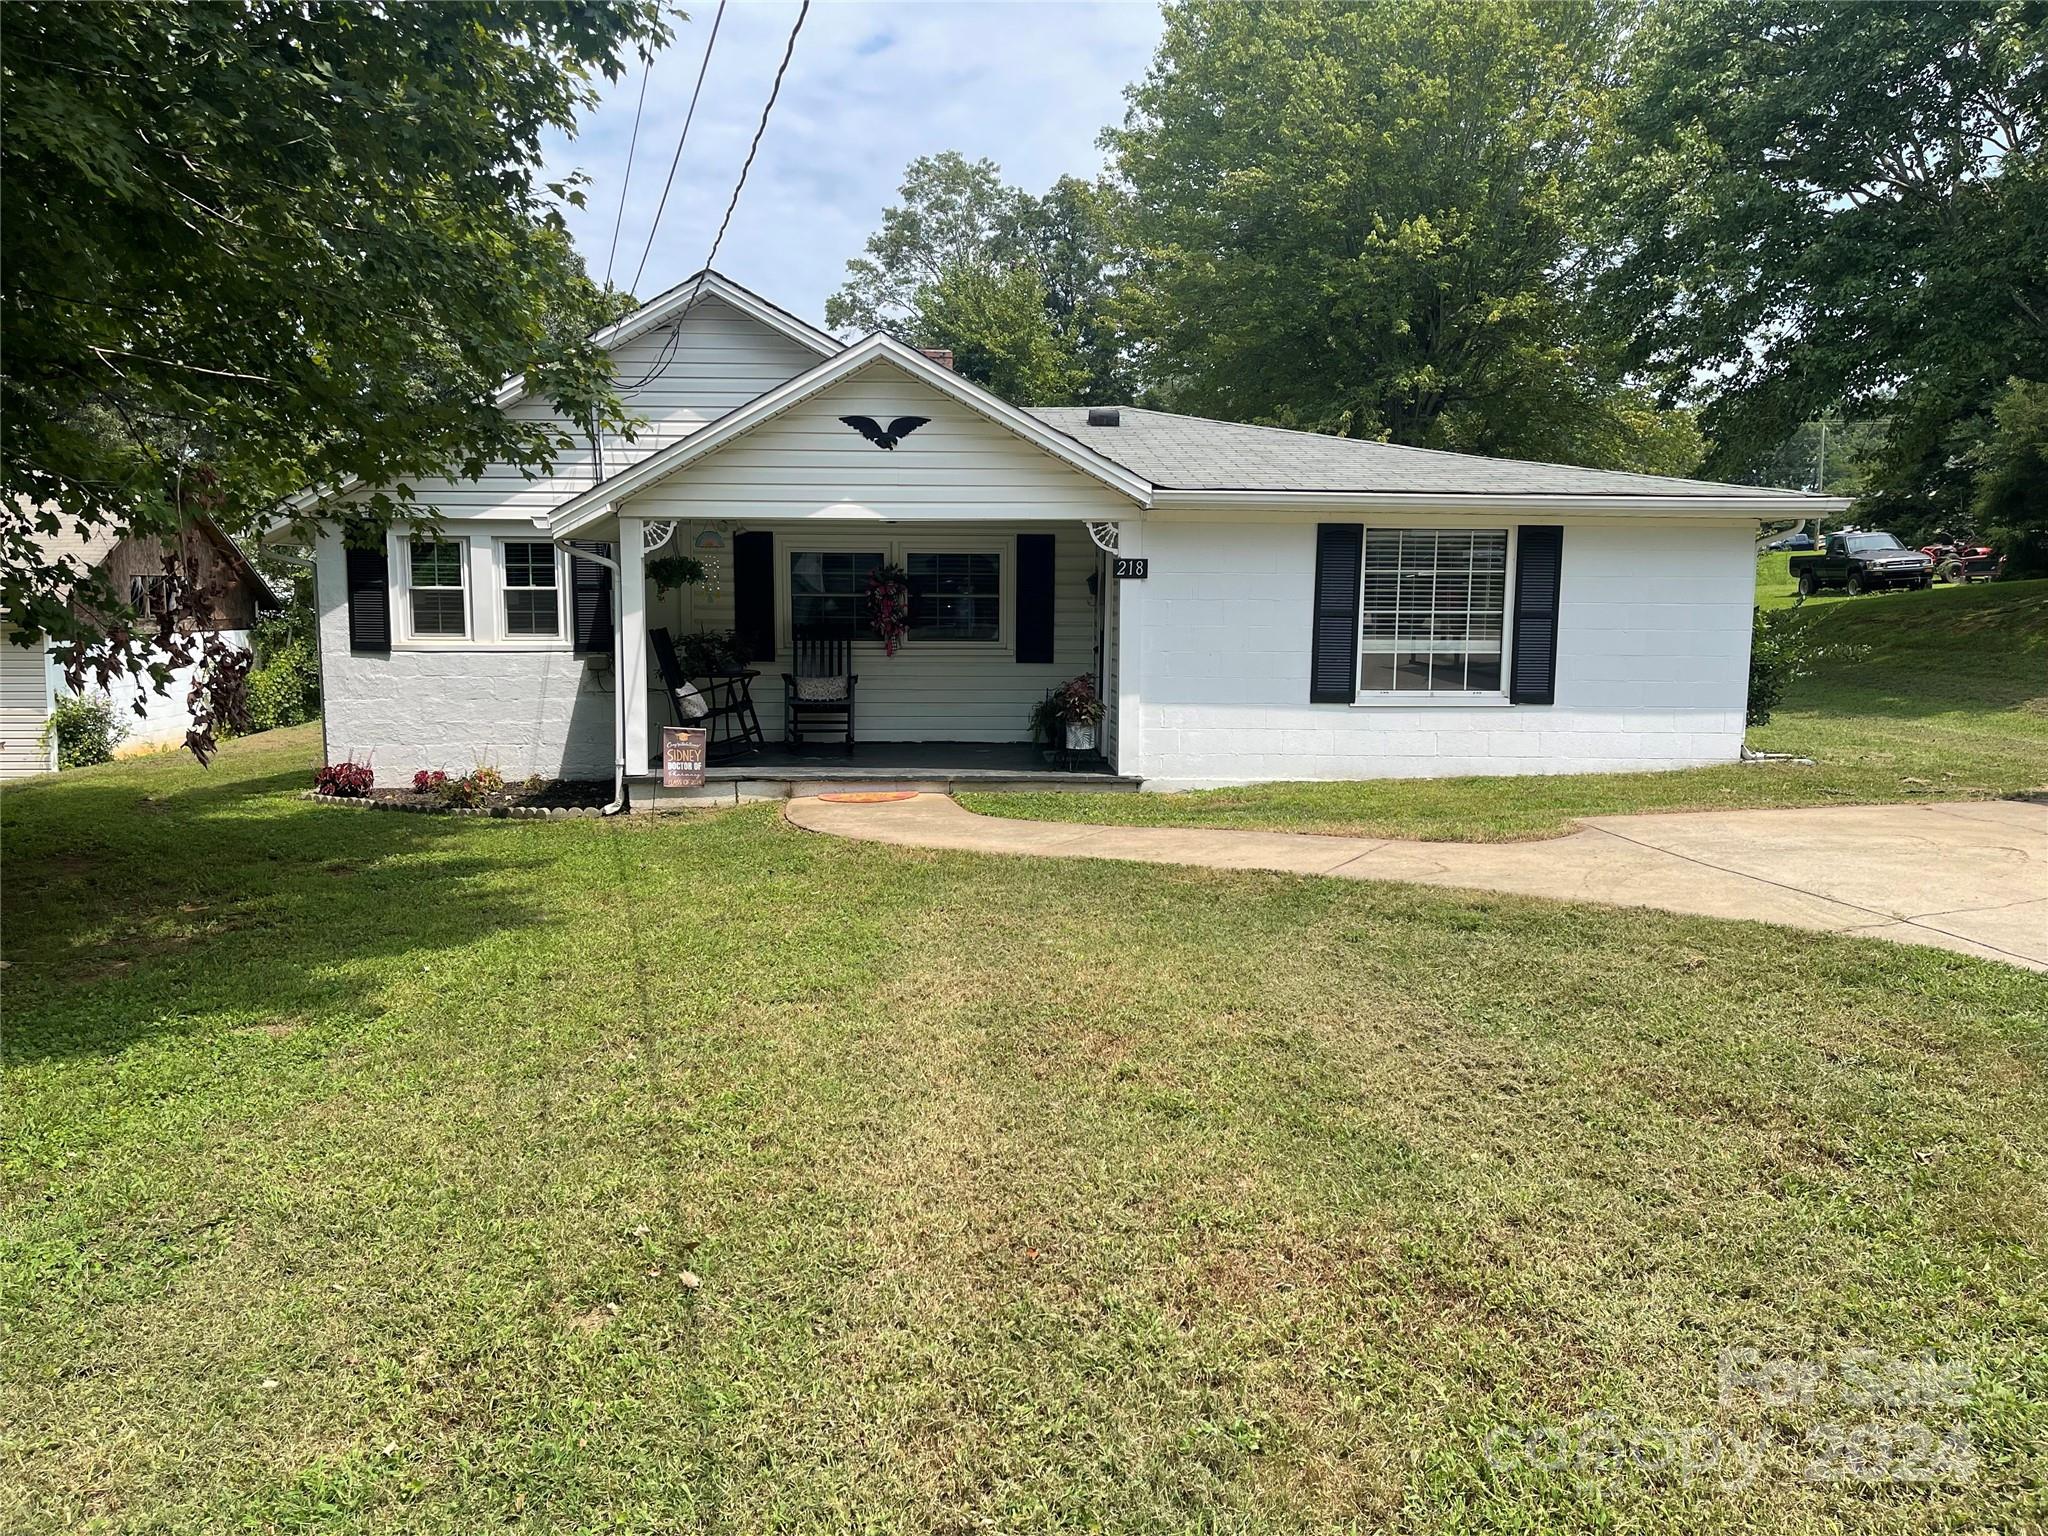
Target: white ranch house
column 1312, row 608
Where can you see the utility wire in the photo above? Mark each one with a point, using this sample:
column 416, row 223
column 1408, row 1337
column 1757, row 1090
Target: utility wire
column 681, row 139
column 626, row 186
column 759, row 129
column 675, row 332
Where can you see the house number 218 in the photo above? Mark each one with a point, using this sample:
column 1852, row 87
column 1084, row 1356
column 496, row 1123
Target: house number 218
column 1131, row 569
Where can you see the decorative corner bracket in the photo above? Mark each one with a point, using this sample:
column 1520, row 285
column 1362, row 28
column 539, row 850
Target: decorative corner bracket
column 1103, row 535
column 654, row 535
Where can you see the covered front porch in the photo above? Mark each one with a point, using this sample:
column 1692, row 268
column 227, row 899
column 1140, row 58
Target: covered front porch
column 951, row 707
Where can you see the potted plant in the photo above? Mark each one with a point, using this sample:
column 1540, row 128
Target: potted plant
column 710, row 653
column 1069, row 714
column 672, row 571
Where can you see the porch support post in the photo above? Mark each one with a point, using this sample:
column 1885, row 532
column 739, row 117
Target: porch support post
column 632, row 641
column 1130, row 654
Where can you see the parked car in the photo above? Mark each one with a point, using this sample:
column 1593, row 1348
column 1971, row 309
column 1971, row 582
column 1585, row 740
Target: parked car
column 1862, row 562
column 1793, row 541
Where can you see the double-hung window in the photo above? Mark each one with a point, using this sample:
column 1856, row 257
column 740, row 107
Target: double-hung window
column 1432, row 611
column 533, row 605
column 955, row 596
column 440, row 607
column 828, row 591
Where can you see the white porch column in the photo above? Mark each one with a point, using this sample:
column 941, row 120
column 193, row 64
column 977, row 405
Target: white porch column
column 632, row 641
column 1130, row 653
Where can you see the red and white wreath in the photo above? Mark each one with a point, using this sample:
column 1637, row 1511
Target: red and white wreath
column 889, row 605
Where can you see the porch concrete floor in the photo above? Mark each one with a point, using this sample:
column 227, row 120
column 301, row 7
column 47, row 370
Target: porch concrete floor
column 901, row 761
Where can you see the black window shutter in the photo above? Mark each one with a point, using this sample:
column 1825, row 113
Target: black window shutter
column 753, row 594
column 1034, row 597
column 590, row 598
column 1539, row 570
column 369, row 599
column 1333, row 651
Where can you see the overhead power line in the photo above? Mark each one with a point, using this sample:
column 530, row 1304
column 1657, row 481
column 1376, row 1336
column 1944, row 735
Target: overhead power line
column 760, row 128
column 675, row 332
column 681, row 139
column 632, row 147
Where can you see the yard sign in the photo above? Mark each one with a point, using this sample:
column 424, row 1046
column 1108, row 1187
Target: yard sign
column 682, row 756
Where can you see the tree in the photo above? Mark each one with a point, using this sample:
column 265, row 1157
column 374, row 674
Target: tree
column 1818, row 206
column 1831, row 454
column 252, row 248
column 997, row 323
column 1018, row 287
column 2011, row 493
column 1362, row 219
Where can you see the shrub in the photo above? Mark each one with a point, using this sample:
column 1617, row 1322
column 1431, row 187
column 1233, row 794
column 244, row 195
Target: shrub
column 465, row 792
column 534, row 783
column 350, row 780
column 285, row 690
column 710, row 652
column 473, row 788
column 86, row 728
column 428, row 779
column 1781, row 652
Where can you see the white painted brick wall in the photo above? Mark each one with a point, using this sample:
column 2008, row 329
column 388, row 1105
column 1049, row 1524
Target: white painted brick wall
column 521, row 712
column 1652, row 667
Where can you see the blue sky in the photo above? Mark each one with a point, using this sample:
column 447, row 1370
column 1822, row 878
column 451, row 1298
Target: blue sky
column 1027, row 83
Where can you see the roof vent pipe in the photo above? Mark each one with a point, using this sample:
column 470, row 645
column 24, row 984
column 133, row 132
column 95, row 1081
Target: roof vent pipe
column 1104, row 416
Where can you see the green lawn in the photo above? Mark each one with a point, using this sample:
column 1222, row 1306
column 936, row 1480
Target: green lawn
column 391, row 1173
column 1940, row 694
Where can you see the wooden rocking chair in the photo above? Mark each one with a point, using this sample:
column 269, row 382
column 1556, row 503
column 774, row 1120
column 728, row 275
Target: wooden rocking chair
column 819, row 686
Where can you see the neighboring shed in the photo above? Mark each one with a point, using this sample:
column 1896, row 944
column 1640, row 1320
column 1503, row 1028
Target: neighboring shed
column 29, row 681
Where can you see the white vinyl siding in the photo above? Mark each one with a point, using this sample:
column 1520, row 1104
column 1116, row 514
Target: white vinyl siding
column 807, row 463
column 675, row 381
column 24, row 708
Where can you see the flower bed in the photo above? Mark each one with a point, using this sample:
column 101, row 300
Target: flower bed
column 555, row 798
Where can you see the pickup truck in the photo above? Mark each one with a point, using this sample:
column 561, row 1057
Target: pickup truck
column 1862, row 562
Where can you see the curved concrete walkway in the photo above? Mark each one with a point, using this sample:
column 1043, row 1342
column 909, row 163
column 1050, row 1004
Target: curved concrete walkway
column 1970, row 876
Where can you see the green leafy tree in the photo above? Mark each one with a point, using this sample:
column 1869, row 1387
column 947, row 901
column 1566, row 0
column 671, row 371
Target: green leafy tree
column 1830, row 453
column 1816, row 206
column 1002, row 335
column 255, row 247
column 2011, row 494
column 1018, row 287
column 1363, row 219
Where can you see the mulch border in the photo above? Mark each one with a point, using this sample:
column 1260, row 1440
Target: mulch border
column 499, row 812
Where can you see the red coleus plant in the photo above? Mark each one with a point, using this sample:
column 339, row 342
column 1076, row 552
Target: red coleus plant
column 351, row 781
column 428, row 779
column 889, row 605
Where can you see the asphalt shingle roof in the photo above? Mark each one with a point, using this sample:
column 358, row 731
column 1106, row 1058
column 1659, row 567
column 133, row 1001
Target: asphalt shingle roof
column 1194, row 454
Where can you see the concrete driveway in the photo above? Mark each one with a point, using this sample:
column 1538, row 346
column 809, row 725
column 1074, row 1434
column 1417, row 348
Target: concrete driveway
column 1969, row 876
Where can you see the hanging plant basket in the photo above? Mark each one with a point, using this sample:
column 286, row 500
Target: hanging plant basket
column 888, row 605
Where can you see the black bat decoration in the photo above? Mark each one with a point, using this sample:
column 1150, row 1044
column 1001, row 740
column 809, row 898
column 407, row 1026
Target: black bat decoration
column 896, row 431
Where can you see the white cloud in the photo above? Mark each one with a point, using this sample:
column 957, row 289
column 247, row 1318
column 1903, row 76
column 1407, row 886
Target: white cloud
column 1028, row 85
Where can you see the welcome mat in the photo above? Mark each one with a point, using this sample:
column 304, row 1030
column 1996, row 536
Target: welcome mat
column 869, row 796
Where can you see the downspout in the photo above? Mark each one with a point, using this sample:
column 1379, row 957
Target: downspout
column 618, row 803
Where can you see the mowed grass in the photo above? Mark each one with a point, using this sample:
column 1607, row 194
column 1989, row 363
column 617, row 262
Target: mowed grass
column 386, row 1173
column 1918, row 695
